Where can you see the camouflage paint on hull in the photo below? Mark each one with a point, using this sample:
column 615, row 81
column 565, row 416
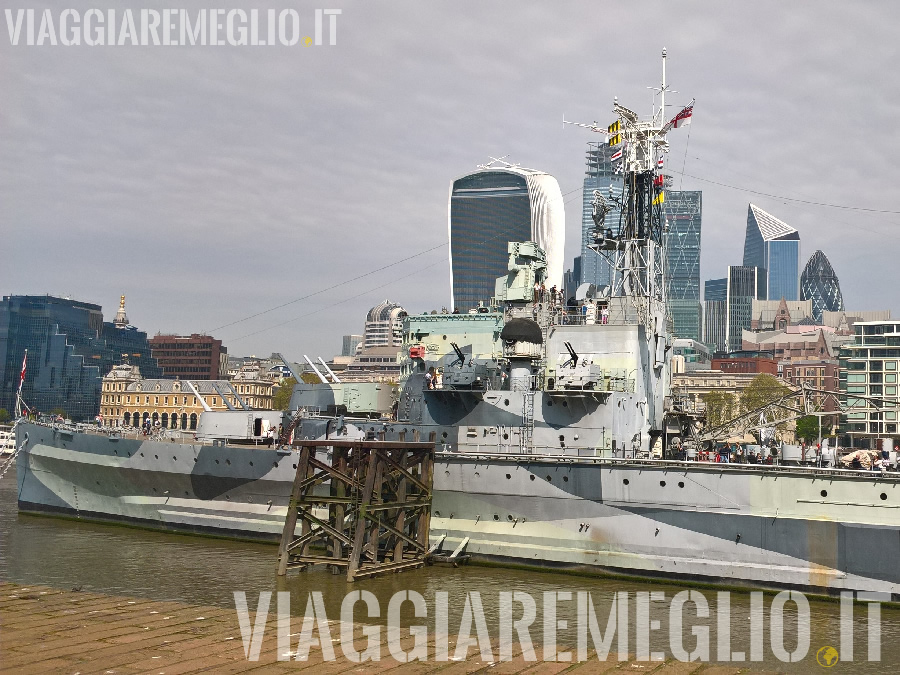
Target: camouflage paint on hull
column 817, row 530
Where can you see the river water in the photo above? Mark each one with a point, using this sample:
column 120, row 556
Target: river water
column 120, row 560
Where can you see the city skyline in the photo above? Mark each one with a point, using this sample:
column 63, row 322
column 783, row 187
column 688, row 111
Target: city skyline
column 209, row 185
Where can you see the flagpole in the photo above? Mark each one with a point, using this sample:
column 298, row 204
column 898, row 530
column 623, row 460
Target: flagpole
column 21, row 382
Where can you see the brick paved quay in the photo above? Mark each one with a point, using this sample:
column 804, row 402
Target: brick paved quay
column 45, row 630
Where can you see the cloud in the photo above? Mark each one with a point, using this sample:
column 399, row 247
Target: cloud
column 209, row 183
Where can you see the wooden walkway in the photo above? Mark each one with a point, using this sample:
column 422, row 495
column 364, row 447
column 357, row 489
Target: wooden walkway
column 43, row 630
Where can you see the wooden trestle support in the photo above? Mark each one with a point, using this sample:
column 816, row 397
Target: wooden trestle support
column 378, row 500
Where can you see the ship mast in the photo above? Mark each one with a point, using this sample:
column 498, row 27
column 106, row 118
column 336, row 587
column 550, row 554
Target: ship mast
column 637, row 251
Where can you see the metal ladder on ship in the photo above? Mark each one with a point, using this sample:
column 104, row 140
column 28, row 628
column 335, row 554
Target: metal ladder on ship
column 527, row 422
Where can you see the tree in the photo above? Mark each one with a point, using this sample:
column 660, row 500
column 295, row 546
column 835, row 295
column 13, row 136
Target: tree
column 762, row 390
column 4, row 416
column 282, row 398
column 808, row 428
column 59, row 412
column 719, row 407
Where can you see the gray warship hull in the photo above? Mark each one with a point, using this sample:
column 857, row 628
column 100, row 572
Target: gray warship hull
column 821, row 530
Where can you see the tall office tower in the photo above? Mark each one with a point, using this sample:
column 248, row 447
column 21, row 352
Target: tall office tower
column 820, row 284
column 683, row 212
column 715, row 299
column 745, row 284
column 599, row 175
column 773, row 246
column 70, row 348
column 487, row 210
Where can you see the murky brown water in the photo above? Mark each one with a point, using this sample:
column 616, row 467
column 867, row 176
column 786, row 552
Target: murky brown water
column 126, row 561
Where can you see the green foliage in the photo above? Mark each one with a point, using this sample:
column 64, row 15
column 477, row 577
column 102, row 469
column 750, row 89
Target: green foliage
column 282, row 398
column 808, row 428
column 60, row 412
column 4, row 416
column 720, row 407
column 762, row 390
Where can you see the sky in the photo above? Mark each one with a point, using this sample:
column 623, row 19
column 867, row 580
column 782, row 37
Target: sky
column 270, row 195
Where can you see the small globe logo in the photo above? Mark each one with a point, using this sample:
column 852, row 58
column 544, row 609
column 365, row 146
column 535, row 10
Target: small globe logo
column 307, row 41
column 827, row 656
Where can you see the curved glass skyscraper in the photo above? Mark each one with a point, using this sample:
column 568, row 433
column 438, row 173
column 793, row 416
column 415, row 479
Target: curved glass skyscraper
column 820, row 284
column 490, row 208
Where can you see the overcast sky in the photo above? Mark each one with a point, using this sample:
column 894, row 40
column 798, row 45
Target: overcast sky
column 209, row 184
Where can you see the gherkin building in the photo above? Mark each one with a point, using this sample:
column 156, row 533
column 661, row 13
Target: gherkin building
column 820, row 284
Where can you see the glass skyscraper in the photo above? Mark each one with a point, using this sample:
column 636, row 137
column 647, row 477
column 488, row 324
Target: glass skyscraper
column 715, row 304
column 820, row 284
column 745, row 284
column 599, row 175
column 683, row 212
column 70, row 348
column 774, row 246
column 487, row 210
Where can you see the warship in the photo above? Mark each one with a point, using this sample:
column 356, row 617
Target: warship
column 549, row 420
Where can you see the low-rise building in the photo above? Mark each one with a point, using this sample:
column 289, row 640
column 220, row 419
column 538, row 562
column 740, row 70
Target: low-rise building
column 129, row 400
column 689, row 355
column 747, row 362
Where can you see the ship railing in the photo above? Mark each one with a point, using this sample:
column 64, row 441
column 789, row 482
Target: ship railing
column 547, row 454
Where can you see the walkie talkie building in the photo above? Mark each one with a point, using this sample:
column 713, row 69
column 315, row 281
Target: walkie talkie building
column 487, row 210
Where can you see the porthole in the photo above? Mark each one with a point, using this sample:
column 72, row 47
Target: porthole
column 548, row 479
column 185, row 493
column 444, row 337
column 509, row 517
column 274, row 465
column 174, row 458
column 565, row 479
column 662, row 483
column 505, row 436
column 496, row 517
column 506, row 401
column 681, row 484
column 251, row 463
column 565, row 404
column 550, row 403
column 531, row 477
column 562, row 438
column 154, row 489
column 227, row 498
column 294, row 465
column 508, row 476
column 228, row 462
column 217, row 461
column 142, row 454
column 195, row 460
column 883, row 496
column 444, row 435
column 155, row 456
column 437, row 514
column 824, row 493
column 625, row 482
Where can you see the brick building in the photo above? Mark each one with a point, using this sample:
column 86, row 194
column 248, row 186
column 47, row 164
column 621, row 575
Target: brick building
column 191, row 357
